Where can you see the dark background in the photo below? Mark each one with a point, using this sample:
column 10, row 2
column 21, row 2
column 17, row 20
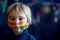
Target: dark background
column 45, row 25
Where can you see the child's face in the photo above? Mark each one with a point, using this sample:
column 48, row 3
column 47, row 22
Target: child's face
column 17, row 20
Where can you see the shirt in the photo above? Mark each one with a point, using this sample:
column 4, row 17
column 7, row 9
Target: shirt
column 24, row 36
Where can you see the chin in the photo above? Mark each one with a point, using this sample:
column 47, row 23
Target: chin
column 19, row 30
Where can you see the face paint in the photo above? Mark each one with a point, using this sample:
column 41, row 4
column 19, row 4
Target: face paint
column 21, row 18
column 11, row 24
column 11, row 21
column 22, row 25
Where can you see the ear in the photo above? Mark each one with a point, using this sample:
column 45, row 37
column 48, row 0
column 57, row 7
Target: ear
column 27, row 25
column 27, row 20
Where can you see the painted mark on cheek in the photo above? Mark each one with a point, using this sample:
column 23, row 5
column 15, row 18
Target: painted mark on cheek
column 11, row 24
column 22, row 25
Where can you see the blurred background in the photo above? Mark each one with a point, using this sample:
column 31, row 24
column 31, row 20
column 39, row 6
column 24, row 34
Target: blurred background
column 45, row 18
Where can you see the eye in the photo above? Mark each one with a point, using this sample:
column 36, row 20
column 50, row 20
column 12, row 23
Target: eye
column 21, row 18
column 11, row 18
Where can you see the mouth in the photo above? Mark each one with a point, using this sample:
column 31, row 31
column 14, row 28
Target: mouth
column 16, row 27
column 21, row 27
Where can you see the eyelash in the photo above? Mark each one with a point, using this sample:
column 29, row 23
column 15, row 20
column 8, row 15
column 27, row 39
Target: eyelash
column 12, row 19
column 21, row 18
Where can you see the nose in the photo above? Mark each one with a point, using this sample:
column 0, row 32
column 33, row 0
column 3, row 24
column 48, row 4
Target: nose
column 17, row 21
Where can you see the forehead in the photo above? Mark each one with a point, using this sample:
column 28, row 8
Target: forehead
column 15, row 13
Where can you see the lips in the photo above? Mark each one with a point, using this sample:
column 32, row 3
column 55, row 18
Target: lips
column 15, row 27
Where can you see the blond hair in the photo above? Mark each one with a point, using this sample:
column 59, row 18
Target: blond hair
column 20, row 7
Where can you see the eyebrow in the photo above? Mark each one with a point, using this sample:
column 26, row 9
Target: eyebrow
column 14, row 17
column 11, row 16
column 21, row 16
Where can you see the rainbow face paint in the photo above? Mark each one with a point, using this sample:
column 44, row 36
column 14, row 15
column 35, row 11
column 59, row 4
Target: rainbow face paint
column 17, row 22
column 22, row 25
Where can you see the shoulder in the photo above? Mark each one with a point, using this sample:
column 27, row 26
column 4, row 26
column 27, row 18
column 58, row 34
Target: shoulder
column 31, row 37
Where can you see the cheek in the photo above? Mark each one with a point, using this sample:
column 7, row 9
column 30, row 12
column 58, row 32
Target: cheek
column 25, row 20
column 22, row 23
column 11, row 24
